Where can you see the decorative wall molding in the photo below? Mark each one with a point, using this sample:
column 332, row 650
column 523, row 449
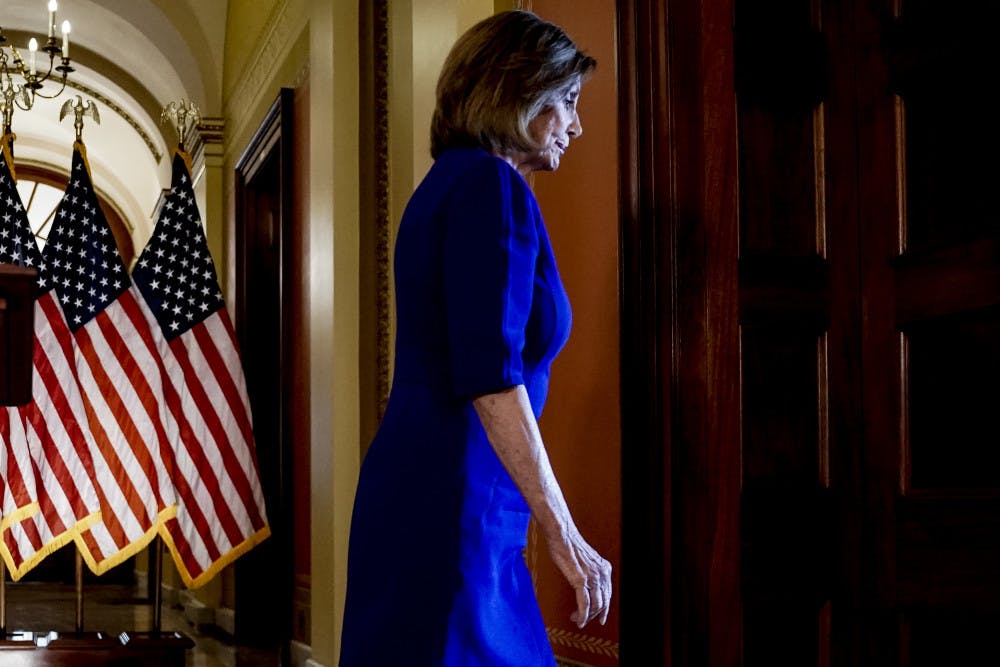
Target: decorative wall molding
column 275, row 40
column 380, row 11
column 211, row 129
column 206, row 140
column 90, row 92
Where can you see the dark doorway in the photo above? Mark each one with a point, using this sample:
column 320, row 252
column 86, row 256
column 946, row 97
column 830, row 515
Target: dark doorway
column 264, row 581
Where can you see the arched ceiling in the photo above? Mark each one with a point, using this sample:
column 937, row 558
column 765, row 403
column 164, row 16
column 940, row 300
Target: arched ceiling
column 132, row 57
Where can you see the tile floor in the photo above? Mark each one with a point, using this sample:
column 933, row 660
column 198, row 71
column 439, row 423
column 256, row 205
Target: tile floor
column 113, row 608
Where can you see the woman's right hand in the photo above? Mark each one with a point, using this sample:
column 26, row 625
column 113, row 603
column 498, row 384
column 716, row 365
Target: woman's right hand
column 586, row 571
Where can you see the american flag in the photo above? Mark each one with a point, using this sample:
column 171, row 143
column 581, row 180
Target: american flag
column 55, row 448
column 17, row 480
column 119, row 373
column 220, row 512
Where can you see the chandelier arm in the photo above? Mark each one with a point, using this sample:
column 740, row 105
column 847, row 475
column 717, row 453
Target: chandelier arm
column 36, row 80
column 39, row 93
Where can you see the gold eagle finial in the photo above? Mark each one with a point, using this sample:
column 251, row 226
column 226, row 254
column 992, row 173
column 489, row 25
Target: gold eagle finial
column 80, row 109
column 184, row 116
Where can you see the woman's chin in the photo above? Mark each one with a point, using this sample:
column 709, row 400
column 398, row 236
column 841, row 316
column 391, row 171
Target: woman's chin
column 550, row 162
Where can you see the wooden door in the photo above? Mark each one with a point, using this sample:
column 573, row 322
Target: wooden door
column 801, row 409
column 869, row 291
column 930, row 301
column 856, row 502
column 264, row 576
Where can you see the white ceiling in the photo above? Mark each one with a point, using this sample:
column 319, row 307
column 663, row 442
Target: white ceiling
column 139, row 55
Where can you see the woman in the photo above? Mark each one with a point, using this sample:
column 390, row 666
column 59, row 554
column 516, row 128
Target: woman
column 436, row 574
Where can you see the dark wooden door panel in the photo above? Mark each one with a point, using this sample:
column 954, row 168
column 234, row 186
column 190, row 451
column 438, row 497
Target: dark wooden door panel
column 940, row 53
column 868, row 325
column 858, row 467
column 931, row 341
column 797, row 286
column 951, row 394
column 780, row 58
column 949, row 548
column 941, row 281
column 932, row 639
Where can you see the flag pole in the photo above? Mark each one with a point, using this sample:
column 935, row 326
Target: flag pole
column 3, row 599
column 158, row 587
column 79, row 593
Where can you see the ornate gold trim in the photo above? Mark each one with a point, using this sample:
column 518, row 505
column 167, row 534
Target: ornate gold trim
column 583, row 642
column 211, row 129
column 380, row 14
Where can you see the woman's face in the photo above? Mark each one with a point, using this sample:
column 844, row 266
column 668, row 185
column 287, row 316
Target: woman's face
column 552, row 130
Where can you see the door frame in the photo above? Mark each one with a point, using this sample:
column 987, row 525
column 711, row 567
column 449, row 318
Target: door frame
column 273, row 139
column 679, row 292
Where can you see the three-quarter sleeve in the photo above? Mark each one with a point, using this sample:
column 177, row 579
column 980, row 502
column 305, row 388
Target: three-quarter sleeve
column 490, row 250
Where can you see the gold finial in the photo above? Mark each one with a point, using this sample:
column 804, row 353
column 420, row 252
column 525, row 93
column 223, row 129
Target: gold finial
column 184, row 116
column 80, row 110
column 12, row 96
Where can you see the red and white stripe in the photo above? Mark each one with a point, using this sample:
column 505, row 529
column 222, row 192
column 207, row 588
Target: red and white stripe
column 220, row 511
column 17, row 479
column 121, row 379
column 59, row 443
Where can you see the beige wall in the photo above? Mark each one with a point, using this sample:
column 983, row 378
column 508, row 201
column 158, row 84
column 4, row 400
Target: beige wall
column 333, row 309
column 421, row 34
column 313, row 43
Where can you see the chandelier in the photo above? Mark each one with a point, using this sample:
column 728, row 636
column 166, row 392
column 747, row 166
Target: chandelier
column 22, row 81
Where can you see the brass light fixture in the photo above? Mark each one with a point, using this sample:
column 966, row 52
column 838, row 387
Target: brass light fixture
column 22, row 81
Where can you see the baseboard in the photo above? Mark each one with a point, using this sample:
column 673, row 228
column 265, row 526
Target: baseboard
column 301, row 654
column 225, row 620
column 169, row 595
column 195, row 611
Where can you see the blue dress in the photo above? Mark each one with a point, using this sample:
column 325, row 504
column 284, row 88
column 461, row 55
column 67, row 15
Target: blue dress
column 436, row 574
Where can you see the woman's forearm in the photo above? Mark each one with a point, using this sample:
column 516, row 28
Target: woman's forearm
column 513, row 432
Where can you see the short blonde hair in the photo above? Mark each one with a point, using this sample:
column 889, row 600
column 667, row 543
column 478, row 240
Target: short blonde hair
column 503, row 72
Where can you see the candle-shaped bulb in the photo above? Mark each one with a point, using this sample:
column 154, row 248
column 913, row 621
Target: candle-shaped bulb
column 32, row 50
column 53, row 6
column 65, row 34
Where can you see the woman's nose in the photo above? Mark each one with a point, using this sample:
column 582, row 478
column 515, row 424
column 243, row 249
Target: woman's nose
column 575, row 128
